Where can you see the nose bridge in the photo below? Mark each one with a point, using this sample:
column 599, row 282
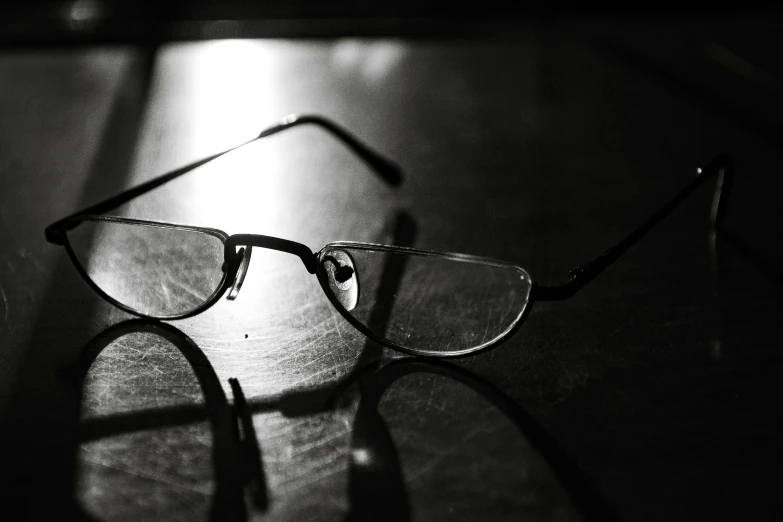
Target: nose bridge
column 239, row 278
column 273, row 243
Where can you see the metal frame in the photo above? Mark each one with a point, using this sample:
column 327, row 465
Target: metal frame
column 721, row 167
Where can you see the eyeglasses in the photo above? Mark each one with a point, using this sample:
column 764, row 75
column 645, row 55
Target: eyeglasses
column 416, row 301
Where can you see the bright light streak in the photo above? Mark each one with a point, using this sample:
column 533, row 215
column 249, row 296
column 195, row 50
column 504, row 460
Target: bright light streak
column 82, row 14
column 233, row 90
column 373, row 61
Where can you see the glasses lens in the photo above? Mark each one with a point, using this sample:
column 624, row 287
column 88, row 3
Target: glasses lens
column 438, row 305
column 155, row 271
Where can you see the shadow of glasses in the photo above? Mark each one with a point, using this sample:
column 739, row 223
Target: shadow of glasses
column 376, row 483
column 235, row 458
column 377, row 488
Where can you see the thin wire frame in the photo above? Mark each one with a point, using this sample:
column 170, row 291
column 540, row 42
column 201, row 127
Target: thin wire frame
column 720, row 167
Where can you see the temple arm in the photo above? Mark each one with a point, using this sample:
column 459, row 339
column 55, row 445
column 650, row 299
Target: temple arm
column 391, row 173
column 720, row 167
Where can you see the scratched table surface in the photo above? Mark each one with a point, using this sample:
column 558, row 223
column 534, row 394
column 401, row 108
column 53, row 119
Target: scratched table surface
column 653, row 394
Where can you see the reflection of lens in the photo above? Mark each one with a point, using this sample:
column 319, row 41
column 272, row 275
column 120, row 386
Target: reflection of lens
column 435, row 304
column 153, row 270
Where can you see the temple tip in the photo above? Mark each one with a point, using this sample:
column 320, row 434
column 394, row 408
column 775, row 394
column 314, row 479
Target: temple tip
column 388, row 170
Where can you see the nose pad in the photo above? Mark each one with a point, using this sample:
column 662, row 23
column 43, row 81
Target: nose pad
column 240, row 277
column 342, row 277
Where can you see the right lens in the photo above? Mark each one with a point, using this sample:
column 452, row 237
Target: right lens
column 155, row 270
column 429, row 304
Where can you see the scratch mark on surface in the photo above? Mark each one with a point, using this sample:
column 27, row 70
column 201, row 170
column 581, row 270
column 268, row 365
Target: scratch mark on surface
column 339, row 331
column 616, row 330
column 9, row 266
column 316, row 477
column 188, row 289
column 481, row 429
column 3, row 307
column 310, row 377
column 4, row 221
column 318, row 443
column 560, row 361
column 140, row 474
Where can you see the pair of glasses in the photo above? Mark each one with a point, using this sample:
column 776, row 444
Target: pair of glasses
column 439, row 304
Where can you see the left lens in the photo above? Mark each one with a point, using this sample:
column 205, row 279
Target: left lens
column 159, row 271
column 428, row 304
